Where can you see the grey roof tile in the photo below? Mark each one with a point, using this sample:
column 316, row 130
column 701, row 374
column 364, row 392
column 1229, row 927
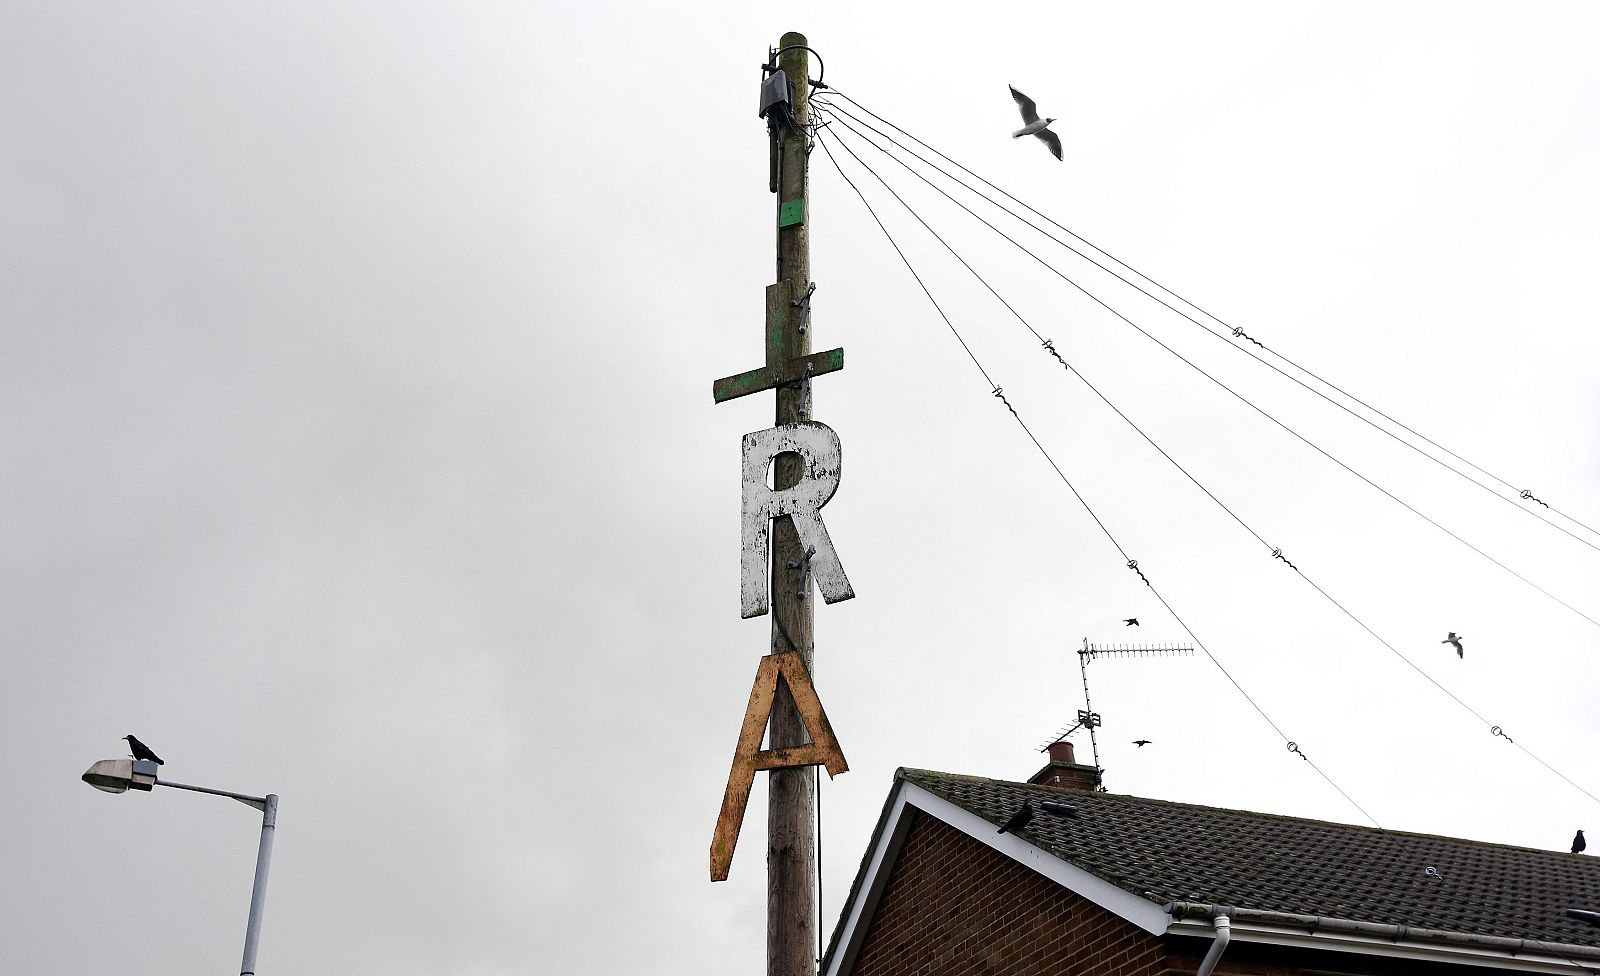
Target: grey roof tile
column 1167, row 852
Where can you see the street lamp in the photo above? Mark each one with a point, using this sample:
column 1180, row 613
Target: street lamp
column 121, row 775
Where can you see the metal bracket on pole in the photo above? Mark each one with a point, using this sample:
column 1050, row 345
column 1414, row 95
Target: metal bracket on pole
column 259, row 802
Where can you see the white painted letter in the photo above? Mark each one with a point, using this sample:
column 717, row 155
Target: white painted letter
column 818, row 446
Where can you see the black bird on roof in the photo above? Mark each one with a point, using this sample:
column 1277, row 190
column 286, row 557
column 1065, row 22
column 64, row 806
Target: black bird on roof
column 1130, row 621
column 142, row 751
column 1019, row 819
column 1454, row 642
column 1578, row 843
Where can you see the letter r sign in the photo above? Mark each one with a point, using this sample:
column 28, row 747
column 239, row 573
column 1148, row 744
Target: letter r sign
column 818, row 446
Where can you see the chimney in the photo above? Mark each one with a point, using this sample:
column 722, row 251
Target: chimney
column 1064, row 771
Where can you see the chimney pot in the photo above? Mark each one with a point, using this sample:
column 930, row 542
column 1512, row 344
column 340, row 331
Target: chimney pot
column 1065, row 771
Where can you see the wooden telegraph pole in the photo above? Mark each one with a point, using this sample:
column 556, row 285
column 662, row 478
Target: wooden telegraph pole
column 791, row 838
column 786, row 549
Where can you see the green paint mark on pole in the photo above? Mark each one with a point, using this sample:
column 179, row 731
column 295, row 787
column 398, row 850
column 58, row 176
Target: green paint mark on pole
column 792, row 213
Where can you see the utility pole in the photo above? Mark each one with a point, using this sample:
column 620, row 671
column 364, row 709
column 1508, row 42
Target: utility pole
column 791, row 839
column 785, row 548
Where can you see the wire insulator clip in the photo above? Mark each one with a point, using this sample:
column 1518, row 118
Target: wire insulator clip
column 1002, row 395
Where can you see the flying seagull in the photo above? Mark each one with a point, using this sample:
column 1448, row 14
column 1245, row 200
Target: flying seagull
column 1019, row 819
column 1130, row 621
column 142, row 751
column 1454, row 642
column 1578, row 843
column 1035, row 126
column 1141, row 743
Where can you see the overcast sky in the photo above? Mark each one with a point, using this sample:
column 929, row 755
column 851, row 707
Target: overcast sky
column 358, row 446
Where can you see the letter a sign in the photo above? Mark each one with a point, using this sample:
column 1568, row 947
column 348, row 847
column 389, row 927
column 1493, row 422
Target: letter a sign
column 823, row 750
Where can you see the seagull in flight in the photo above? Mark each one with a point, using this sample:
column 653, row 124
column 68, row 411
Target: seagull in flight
column 142, row 751
column 1141, row 743
column 1454, row 642
column 1130, row 621
column 1035, row 126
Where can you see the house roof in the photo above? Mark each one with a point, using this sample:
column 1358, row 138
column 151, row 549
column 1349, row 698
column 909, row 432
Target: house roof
column 1169, row 852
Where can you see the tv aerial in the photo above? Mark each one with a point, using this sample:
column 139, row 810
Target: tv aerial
column 1088, row 718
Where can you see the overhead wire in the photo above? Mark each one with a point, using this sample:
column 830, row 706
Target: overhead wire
column 1047, row 344
column 824, row 138
column 845, row 125
column 1275, row 552
column 1524, row 494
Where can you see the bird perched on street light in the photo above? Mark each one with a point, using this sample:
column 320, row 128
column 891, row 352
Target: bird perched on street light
column 1019, row 819
column 1455, row 642
column 1578, row 843
column 1034, row 126
column 142, row 751
column 1130, row 621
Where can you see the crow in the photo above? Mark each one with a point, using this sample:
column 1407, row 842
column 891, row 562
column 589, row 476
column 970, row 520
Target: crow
column 1059, row 809
column 1454, row 642
column 1578, row 843
column 142, row 751
column 1141, row 743
column 1019, row 819
column 1035, row 126
column 1130, row 621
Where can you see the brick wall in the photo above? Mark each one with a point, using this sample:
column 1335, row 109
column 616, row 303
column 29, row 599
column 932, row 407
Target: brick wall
column 953, row 907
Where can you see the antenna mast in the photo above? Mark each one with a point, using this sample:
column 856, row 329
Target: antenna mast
column 1088, row 718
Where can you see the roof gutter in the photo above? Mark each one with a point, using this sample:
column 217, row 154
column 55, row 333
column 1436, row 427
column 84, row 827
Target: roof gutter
column 1302, row 929
column 1219, row 922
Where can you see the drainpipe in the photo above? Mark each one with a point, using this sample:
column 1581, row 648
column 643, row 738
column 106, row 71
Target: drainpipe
column 1220, row 923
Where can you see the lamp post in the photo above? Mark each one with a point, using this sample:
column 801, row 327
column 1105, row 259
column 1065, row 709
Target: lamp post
column 121, row 775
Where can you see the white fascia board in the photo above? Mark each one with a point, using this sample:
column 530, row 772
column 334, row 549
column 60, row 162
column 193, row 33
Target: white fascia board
column 875, row 876
column 1366, row 945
